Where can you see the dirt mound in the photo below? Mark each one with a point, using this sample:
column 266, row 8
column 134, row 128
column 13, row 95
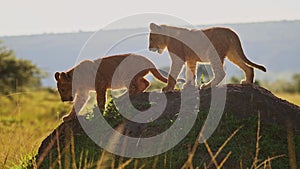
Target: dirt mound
column 245, row 100
column 242, row 101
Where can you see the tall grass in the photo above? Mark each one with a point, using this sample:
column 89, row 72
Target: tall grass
column 27, row 118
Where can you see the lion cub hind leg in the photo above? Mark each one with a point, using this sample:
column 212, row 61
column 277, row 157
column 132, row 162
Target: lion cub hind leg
column 101, row 97
column 175, row 69
column 70, row 116
column 248, row 71
column 138, row 85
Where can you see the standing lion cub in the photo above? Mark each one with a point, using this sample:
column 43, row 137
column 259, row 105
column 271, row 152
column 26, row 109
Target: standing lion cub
column 208, row 45
column 113, row 72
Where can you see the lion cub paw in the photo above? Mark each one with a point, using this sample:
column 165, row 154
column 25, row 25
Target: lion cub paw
column 204, row 86
column 167, row 89
column 244, row 82
column 185, row 85
column 69, row 117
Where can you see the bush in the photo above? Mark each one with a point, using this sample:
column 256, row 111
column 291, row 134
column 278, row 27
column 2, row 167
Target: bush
column 17, row 74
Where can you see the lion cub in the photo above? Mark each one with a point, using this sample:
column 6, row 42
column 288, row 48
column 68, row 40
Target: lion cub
column 113, row 72
column 191, row 46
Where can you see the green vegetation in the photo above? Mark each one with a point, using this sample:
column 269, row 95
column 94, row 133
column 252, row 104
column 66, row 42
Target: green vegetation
column 25, row 120
column 26, row 113
column 17, row 75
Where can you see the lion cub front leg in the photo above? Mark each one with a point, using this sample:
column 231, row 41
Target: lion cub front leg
column 190, row 73
column 138, row 85
column 79, row 102
column 175, row 69
column 101, row 98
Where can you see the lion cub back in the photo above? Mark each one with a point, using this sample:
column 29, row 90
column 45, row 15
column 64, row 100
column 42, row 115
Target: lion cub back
column 119, row 70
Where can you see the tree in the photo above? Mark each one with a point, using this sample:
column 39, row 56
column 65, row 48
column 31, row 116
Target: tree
column 17, row 74
column 296, row 79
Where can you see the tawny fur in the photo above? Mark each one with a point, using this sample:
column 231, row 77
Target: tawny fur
column 113, row 72
column 188, row 47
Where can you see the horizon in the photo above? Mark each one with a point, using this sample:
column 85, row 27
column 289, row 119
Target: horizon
column 197, row 25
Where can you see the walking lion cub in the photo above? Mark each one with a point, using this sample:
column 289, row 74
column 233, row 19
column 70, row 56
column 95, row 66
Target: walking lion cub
column 191, row 46
column 113, row 72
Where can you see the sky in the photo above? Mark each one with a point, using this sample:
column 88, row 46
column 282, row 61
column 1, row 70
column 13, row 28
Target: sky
column 54, row 16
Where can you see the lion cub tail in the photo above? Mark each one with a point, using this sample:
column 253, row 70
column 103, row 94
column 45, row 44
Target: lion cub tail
column 238, row 56
column 239, row 51
column 158, row 75
column 260, row 67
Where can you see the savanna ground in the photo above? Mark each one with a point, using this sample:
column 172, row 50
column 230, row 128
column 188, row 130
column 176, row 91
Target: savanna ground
column 27, row 118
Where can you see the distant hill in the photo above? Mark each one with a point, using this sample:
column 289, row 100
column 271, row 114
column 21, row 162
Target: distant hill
column 273, row 44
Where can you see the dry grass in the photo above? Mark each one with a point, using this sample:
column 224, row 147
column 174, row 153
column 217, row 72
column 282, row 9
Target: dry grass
column 27, row 119
column 290, row 97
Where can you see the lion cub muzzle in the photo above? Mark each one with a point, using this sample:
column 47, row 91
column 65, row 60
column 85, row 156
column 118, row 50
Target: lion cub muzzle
column 153, row 49
column 158, row 50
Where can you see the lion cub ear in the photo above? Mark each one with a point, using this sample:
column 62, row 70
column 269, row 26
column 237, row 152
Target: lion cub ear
column 57, row 76
column 62, row 76
column 154, row 27
column 65, row 76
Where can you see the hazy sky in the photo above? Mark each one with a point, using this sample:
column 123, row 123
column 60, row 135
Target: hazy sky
column 48, row 16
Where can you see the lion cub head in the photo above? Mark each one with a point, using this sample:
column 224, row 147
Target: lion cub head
column 157, row 41
column 64, row 85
